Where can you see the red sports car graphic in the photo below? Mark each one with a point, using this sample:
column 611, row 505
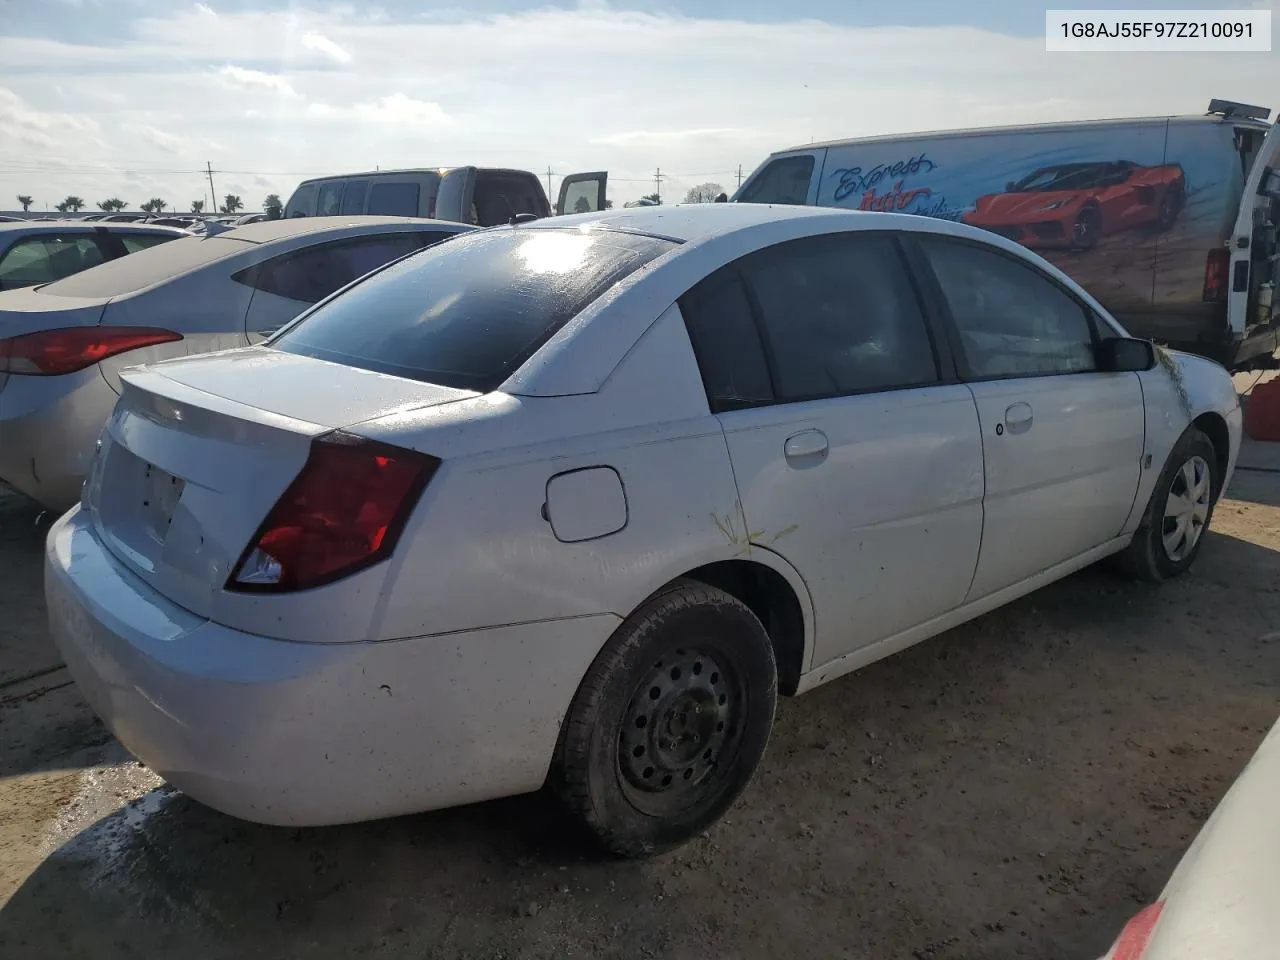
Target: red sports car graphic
column 1071, row 205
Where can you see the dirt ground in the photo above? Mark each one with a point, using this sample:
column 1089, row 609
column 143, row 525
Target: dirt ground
column 1014, row 788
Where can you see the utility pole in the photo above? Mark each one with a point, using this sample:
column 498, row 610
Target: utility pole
column 213, row 194
column 657, row 181
column 548, row 182
column 739, row 176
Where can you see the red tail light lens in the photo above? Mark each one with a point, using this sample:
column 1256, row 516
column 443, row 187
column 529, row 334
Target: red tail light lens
column 49, row 353
column 343, row 512
column 1133, row 939
column 1216, row 266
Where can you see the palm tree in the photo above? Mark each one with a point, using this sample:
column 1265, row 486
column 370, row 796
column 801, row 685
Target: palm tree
column 273, row 207
column 197, row 206
column 231, row 203
column 111, row 206
column 25, row 201
column 154, row 205
column 72, row 204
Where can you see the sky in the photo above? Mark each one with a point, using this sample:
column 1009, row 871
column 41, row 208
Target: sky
column 132, row 98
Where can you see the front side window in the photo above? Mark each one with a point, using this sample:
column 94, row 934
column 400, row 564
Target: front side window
column 840, row 316
column 312, row 274
column 785, row 180
column 45, row 259
column 330, row 201
column 303, row 201
column 1012, row 320
column 469, row 312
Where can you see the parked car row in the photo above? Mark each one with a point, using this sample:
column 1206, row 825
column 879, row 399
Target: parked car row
column 568, row 501
column 65, row 342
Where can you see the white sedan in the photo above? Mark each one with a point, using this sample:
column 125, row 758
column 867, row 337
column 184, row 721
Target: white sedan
column 63, row 344
column 574, row 500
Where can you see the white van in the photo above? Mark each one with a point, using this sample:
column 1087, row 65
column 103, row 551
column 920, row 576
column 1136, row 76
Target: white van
column 482, row 196
column 1171, row 222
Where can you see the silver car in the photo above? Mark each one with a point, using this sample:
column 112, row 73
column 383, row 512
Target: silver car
column 63, row 344
column 32, row 253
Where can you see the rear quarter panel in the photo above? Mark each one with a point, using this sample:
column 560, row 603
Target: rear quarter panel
column 479, row 552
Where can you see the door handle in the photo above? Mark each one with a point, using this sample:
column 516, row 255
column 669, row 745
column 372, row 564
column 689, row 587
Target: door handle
column 805, row 448
column 1018, row 417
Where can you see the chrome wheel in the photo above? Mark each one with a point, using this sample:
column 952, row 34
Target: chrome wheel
column 1186, row 509
column 681, row 725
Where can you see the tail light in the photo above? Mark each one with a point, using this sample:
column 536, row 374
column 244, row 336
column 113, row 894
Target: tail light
column 1216, row 266
column 1133, row 939
column 343, row 512
column 52, row 352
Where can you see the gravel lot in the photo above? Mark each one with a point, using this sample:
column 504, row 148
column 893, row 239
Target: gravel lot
column 1013, row 788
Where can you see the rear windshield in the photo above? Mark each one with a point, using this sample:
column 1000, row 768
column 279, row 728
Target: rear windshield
column 469, row 312
column 116, row 278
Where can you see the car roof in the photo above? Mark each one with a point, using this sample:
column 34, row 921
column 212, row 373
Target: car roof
column 687, row 223
column 265, row 231
column 1046, row 127
column 91, row 226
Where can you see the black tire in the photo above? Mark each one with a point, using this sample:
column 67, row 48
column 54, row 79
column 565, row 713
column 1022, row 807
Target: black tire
column 1146, row 557
column 1087, row 228
column 669, row 722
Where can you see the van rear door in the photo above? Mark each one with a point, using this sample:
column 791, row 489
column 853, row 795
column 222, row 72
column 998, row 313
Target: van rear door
column 582, row 193
column 1254, row 240
column 455, row 194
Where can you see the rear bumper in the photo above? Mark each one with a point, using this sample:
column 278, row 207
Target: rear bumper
column 48, row 428
column 310, row 733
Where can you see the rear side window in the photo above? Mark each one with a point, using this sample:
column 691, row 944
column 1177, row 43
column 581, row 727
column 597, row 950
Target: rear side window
column 1012, row 320
column 785, row 180
column 469, row 312
column 133, row 242
column 312, row 274
column 840, row 316
column 726, row 342
column 47, row 258
column 393, row 200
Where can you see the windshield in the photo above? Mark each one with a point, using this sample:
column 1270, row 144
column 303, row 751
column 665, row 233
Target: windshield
column 469, row 312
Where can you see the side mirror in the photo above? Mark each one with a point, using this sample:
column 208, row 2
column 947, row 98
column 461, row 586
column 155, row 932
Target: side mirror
column 1126, row 355
column 722, row 198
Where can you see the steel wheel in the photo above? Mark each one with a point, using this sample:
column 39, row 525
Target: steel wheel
column 1186, row 511
column 680, row 725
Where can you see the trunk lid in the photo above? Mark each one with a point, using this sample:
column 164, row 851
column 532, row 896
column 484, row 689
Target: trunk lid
column 28, row 310
column 199, row 450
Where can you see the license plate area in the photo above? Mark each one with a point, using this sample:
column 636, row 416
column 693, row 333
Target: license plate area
column 161, row 492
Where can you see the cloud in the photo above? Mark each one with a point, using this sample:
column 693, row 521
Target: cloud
column 665, row 138
column 585, row 88
column 322, row 44
column 396, row 108
column 241, row 77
